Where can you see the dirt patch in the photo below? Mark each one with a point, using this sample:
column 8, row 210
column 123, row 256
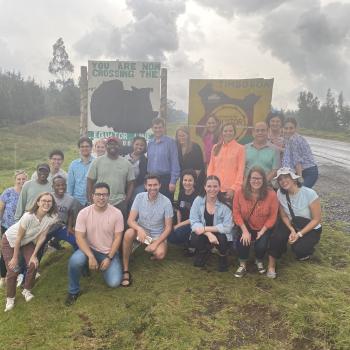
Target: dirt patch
column 256, row 324
column 87, row 328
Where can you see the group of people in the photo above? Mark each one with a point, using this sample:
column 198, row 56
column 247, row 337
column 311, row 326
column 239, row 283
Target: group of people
column 112, row 202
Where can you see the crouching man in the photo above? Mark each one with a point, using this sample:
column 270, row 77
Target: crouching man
column 150, row 222
column 98, row 233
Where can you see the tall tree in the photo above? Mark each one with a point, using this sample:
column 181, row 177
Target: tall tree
column 60, row 65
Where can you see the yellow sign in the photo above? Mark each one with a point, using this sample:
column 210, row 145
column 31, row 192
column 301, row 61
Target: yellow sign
column 243, row 102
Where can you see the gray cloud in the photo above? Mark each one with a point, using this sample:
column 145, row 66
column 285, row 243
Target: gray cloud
column 311, row 40
column 228, row 8
column 151, row 33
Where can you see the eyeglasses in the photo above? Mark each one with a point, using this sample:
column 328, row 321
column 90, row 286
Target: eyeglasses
column 101, row 195
column 256, row 179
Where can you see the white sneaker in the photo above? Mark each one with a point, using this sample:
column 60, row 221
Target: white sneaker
column 20, row 279
column 10, row 304
column 2, row 282
column 37, row 275
column 260, row 266
column 28, row 296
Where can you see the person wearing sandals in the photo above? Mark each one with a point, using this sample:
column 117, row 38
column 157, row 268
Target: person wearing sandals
column 300, row 217
column 98, row 233
column 182, row 230
column 255, row 209
column 211, row 224
column 26, row 237
column 150, row 223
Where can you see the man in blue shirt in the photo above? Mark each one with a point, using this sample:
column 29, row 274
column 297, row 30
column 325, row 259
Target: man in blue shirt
column 150, row 222
column 78, row 170
column 163, row 158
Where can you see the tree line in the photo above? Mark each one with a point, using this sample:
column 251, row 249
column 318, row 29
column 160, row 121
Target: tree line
column 332, row 115
column 24, row 100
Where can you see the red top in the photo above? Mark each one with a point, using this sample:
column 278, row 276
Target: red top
column 264, row 214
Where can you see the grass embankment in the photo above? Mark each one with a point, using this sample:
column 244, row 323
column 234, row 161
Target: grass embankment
column 172, row 305
column 329, row 135
column 25, row 146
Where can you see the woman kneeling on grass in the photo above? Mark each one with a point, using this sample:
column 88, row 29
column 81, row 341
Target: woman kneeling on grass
column 211, row 224
column 255, row 209
column 300, row 214
column 27, row 236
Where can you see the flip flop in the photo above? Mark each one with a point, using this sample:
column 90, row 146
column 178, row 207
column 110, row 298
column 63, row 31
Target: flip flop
column 129, row 279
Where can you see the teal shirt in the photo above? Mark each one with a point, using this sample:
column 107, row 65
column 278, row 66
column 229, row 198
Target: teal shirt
column 267, row 157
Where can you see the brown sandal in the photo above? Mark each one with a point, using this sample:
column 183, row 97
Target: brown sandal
column 128, row 279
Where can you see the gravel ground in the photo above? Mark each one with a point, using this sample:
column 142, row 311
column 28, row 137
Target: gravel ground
column 333, row 186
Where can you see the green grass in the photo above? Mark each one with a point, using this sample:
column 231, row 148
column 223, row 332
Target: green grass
column 173, row 305
column 329, row 135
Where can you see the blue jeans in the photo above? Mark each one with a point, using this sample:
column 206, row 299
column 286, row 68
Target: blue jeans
column 181, row 235
column 112, row 276
column 310, row 176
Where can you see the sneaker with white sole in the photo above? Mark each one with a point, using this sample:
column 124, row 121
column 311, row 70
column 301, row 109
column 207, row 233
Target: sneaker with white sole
column 10, row 304
column 241, row 271
column 260, row 266
column 20, row 279
column 271, row 274
column 28, row 296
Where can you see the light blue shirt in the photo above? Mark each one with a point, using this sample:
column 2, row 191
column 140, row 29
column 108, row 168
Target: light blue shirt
column 222, row 216
column 163, row 158
column 77, row 175
column 151, row 214
column 300, row 202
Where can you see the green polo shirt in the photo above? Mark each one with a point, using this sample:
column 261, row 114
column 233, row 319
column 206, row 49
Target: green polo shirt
column 267, row 157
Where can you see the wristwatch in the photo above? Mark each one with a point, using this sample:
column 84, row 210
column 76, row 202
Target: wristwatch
column 299, row 234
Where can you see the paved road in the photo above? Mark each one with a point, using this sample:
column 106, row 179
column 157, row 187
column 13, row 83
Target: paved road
column 330, row 152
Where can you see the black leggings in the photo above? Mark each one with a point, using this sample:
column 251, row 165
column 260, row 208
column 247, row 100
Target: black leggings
column 202, row 244
column 3, row 270
column 302, row 248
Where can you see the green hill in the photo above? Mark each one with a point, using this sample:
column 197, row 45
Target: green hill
column 171, row 304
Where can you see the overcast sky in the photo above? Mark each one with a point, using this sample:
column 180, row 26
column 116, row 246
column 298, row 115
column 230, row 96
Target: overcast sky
column 303, row 44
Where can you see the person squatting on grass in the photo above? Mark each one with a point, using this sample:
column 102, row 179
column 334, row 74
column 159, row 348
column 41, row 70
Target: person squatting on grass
column 26, row 237
column 150, row 222
column 98, row 231
column 182, row 230
column 255, row 209
column 8, row 204
column 211, row 224
column 300, row 217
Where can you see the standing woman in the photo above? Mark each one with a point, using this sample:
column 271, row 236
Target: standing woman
column 138, row 161
column 300, row 214
column 99, row 148
column 255, row 209
column 211, row 224
column 190, row 154
column 298, row 155
column 210, row 137
column 26, row 237
column 8, row 204
column 275, row 121
column 227, row 162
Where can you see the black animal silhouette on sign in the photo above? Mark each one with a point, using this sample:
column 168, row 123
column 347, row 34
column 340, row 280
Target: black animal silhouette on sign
column 123, row 110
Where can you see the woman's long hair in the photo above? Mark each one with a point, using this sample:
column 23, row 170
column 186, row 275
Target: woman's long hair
column 189, row 143
column 220, row 194
column 35, row 207
column 247, row 189
column 218, row 146
column 216, row 133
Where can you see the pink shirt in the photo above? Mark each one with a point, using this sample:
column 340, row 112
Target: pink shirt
column 100, row 227
column 208, row 143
